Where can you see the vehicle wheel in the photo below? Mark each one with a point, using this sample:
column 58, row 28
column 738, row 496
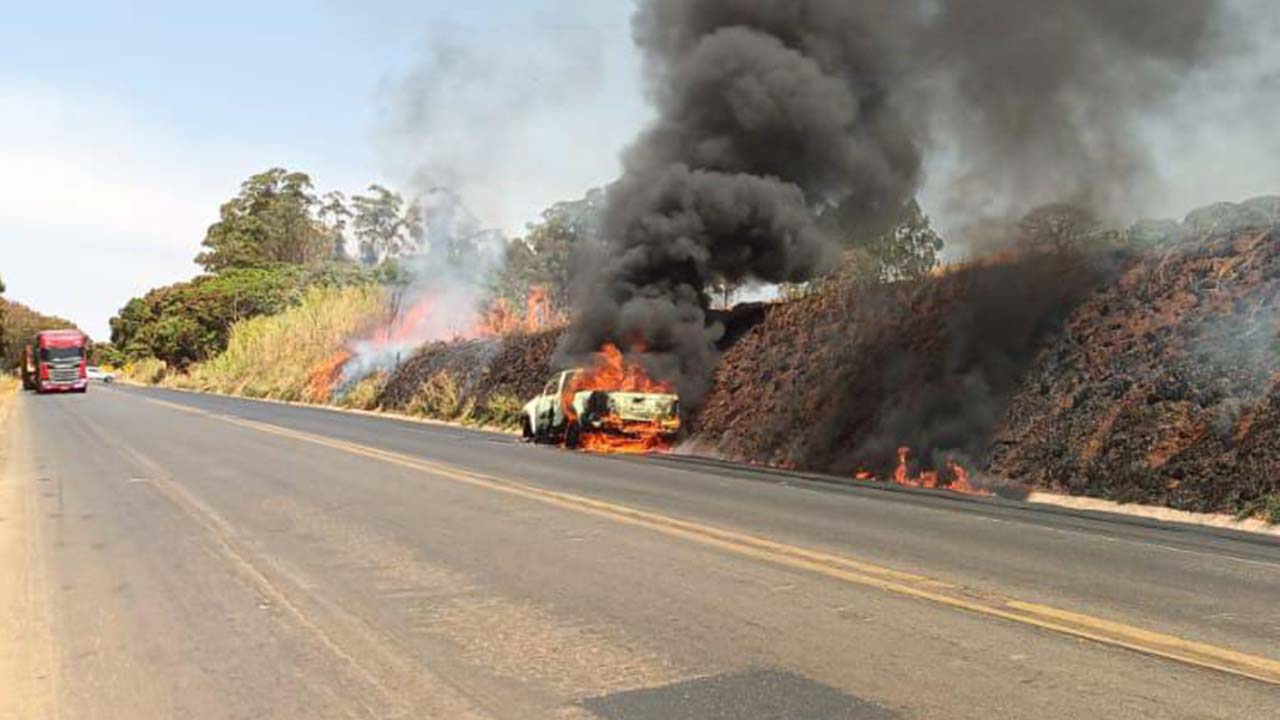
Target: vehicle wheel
column 526, row 430
column 573, row 435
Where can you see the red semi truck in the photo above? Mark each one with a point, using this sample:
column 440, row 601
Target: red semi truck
column 55, row 362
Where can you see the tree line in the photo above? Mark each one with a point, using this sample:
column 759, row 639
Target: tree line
column 18, row 327
column 273, row 240
column 278, row 236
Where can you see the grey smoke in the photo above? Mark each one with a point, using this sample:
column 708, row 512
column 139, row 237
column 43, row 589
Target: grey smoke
column 477, row 110
column 1043, row 102
column 769, row 113
column 445, row 285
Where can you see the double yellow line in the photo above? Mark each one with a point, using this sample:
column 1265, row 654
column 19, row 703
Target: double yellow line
column 838, row 567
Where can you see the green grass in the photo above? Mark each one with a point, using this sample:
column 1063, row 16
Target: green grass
column 500, row 411
column 1265, row 508
column 366, row 393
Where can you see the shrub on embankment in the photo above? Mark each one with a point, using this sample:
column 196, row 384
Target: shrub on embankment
column 838, row 380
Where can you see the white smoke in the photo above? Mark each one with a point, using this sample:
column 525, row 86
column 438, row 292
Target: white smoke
column 445, row 283
column 485, row 131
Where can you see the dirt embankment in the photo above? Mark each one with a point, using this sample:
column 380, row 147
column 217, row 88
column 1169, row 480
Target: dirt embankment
column 838, row 380
column 481, row 381
column 1164, row 387
column 1150, row 374
column 1141, row 370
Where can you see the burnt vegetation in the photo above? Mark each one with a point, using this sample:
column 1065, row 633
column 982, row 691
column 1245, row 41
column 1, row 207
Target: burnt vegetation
column 787, row 155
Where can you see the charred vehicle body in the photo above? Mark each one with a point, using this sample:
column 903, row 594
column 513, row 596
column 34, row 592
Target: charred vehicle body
column 571, row 412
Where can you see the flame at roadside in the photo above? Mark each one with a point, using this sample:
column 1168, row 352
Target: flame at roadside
column 444, row 315
column 953, row 476
column 539, row 314
column 324, row 377
column 610, row 370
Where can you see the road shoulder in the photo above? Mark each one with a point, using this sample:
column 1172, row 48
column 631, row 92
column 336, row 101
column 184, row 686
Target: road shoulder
column 28, row 655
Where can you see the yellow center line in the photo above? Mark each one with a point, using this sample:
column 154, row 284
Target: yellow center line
column 839, row 567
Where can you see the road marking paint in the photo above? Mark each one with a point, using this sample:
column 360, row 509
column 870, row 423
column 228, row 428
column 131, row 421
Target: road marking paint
column 839, row 567
column 175, row 406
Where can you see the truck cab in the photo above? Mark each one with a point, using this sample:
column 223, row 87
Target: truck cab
column 545, row 418
column 56, row 362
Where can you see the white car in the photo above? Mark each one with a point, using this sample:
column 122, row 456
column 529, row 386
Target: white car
column 97, row 373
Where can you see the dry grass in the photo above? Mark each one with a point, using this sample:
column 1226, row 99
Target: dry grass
column 275, row 356
column 148, row 371
column 440, row 398
column 9, row 386
column 500, row 411
column 366, row 393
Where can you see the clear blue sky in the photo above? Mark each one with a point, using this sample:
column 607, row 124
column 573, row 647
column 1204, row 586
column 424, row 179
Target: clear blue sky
column 123, row 125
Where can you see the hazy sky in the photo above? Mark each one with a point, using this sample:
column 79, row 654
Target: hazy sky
column 123, row 125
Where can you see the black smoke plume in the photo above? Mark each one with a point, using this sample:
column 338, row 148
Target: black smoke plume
column 766, row 111
column 773, row 111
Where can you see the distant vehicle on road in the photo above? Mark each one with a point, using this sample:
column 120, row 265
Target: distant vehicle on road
column 563, row 413
column 93, row 372
column 55, row 361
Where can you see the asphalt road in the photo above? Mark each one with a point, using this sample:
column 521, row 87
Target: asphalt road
column 167, row 555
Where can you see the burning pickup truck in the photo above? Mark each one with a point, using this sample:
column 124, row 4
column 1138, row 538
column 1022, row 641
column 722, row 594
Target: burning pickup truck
column 612, row 407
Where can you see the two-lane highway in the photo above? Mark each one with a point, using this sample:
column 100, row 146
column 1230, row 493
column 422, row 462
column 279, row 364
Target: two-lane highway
column 186, row 556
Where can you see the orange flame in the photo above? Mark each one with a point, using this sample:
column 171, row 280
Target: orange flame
column 954, row 477
column 324, row 377
column 612, row 372
column 408, row 327
column 538, row 314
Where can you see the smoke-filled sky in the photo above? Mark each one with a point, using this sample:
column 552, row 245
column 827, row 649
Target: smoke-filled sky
column 123, row 125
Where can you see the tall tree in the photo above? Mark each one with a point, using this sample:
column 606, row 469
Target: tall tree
column 551, row 252
column 1057, row 226
column 334, row 214
column 20, row 324
column 190, row 321
column 272, row 221
column 381, row 225
column 908, row 249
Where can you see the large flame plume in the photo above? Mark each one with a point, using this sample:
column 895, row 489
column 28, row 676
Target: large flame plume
column 611, row 371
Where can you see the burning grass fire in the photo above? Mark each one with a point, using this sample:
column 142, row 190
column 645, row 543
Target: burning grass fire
column 432, row 317
column 952, row 477
column 539, row 314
